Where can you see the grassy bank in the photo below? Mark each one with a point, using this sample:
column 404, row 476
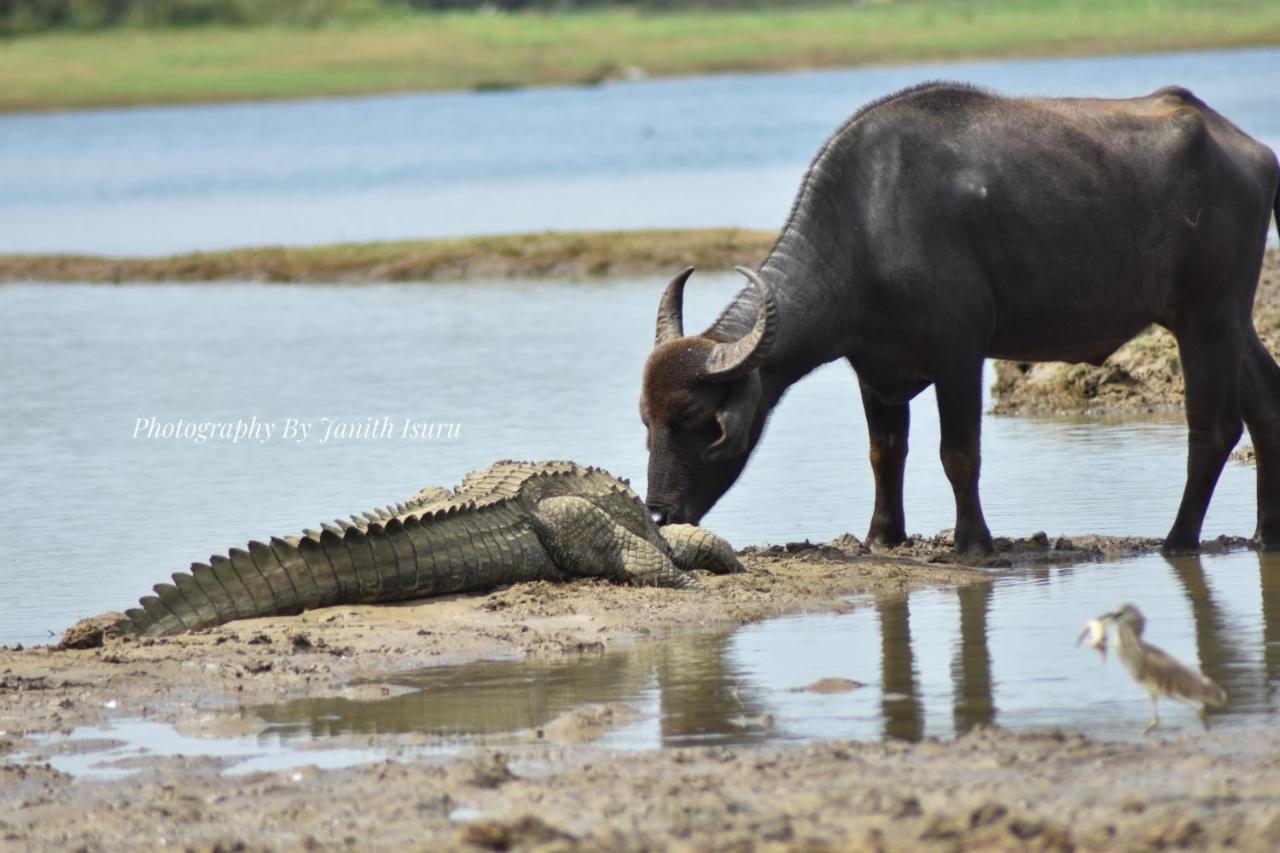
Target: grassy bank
column 413, row 52
column 558, row 254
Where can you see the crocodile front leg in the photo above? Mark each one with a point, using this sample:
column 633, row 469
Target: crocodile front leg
column 583, row 540
column 694, row 547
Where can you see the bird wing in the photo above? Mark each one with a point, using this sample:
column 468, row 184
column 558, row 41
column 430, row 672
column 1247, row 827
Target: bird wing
column 1175, row 679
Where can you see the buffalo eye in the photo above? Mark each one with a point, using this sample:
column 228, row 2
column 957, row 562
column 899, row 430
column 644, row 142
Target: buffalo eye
column 690, row 418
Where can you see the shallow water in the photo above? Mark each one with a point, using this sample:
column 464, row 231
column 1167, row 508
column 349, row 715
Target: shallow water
column 933, row 664
column 98, row 511
column 124, row 747
column 698, row 151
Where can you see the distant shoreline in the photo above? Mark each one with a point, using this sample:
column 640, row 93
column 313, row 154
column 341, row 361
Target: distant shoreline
column 552, row 254
column 459, row 51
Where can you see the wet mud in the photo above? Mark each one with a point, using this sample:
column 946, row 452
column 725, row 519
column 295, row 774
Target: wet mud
column 562, row 791
column 1144, row 377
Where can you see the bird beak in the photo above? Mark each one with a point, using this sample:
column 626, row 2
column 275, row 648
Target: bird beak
column 1109, row 617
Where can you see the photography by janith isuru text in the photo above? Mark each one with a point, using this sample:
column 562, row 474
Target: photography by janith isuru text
column 297, row 430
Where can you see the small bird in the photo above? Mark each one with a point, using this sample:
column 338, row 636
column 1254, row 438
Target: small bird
column 1154, row 668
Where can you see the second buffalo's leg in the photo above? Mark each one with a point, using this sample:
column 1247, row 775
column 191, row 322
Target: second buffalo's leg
column 1209, row 339
column 960, row 419
column 887, row 427
column 1260, row 402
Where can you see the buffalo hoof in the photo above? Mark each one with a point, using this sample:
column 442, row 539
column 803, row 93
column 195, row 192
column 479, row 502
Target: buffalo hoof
column 886, row 536
column 977, row 543
column 975, row 549
column 1172, row 548
column 1266, row 543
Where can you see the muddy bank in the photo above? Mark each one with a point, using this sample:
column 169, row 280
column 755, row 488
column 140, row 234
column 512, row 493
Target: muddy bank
column 990, row 788
column 552, row 254
column 1143, row 377
column 987, row 790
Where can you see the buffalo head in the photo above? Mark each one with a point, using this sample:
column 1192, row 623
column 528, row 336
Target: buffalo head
column 700, row 403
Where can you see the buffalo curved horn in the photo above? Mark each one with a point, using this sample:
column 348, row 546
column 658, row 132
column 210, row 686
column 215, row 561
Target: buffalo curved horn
column 729, row 361
column 671, row 309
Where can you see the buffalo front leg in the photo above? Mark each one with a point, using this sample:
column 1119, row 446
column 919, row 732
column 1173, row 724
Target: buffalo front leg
column 1260, row 402
column 1209, row 346
column 887, row 428
column 960, row 421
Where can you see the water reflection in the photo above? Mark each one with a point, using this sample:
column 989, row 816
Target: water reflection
column 971, row 661
column 697, row 686
column 1220, row 656
column 1269, row 576
column 941, row 662
column 900, row 702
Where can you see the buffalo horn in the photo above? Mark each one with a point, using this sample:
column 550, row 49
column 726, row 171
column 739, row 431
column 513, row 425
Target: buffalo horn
column 729, row 361
column 671, row 309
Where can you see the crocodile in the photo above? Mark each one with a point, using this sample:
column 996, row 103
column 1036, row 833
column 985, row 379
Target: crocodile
column 514, row 521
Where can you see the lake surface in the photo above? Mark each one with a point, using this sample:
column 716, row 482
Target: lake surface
column 704, row 151
column 100, row 507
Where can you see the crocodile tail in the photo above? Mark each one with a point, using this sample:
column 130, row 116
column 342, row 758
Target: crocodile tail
column 266, row 578
column 382, row 557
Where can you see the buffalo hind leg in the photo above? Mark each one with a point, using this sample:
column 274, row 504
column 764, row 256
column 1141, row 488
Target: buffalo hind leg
column 960, row 419
column 887, row 427
column 1209, row 342
column 1260, row 403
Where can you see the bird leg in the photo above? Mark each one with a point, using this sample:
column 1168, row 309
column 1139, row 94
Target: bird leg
column 1155, row 718
column 1203, row 714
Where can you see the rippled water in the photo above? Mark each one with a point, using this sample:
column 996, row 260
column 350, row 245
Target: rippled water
column 698, row 151
column 98, row 512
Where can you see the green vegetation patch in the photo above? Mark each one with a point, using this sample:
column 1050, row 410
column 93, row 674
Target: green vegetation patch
column 388, row 49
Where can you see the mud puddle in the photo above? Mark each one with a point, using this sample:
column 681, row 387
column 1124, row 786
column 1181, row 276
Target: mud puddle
column 931, row 663
column 125, row 747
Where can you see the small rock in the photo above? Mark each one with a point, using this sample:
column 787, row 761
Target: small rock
column 829, row 685
column 940, row 827
column 986, row 814
column 523, row 833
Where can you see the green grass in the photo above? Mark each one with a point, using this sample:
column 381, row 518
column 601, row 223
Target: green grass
column 466, row 50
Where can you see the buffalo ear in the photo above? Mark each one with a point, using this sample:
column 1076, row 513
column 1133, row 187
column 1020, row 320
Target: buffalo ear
column 735, row 418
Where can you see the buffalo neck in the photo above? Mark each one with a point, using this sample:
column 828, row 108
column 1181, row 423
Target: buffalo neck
column 808, row 273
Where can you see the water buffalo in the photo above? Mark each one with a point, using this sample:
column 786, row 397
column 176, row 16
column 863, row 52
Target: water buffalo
column 943, row 225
